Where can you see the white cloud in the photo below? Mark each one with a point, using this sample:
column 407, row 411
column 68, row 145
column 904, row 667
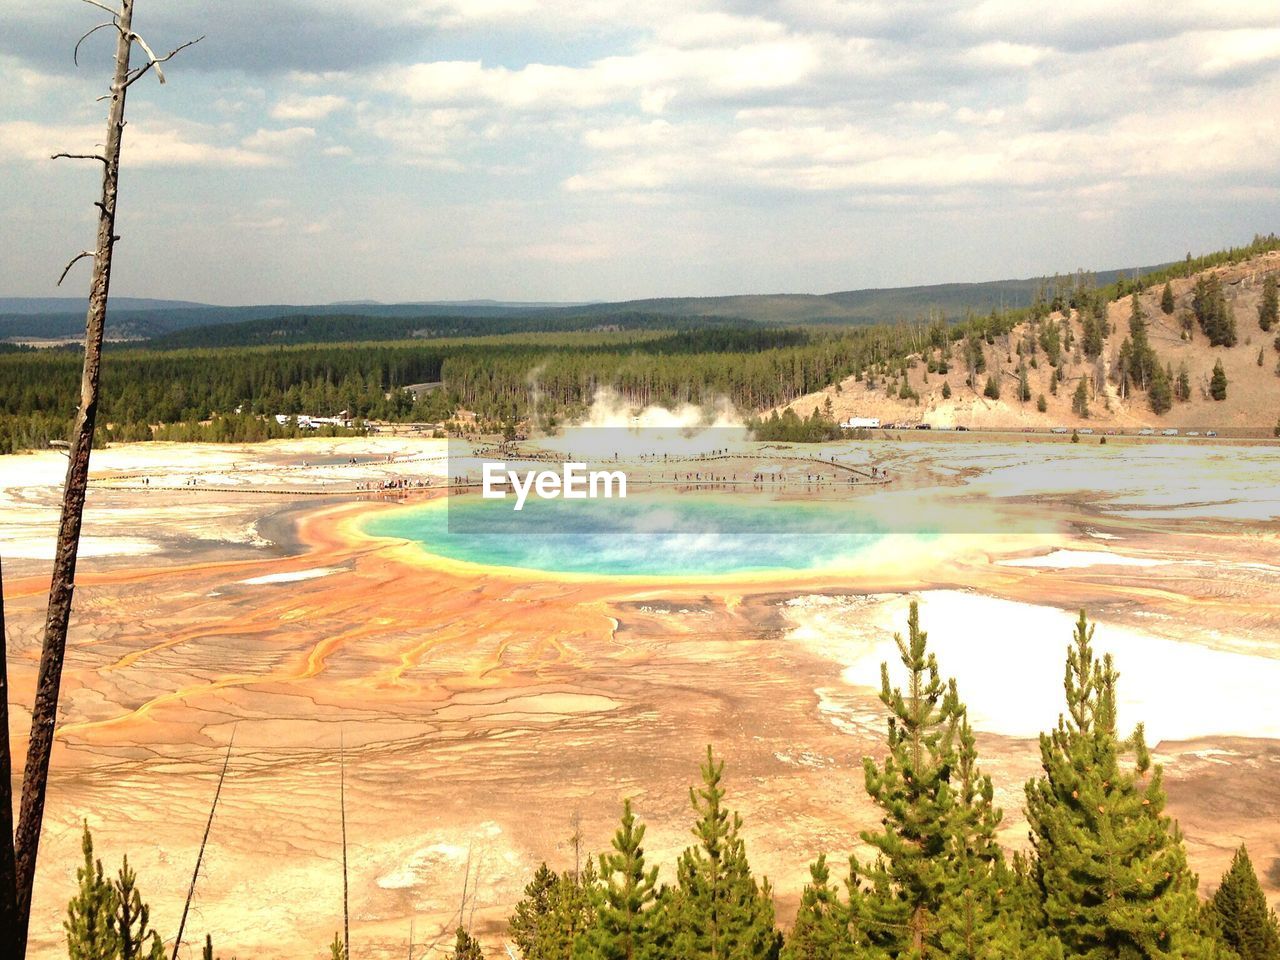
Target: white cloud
column 150, row 145
column 278, row 141
column 302, row 107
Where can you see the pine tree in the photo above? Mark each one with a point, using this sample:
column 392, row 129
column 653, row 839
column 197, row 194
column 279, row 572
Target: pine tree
column 1080, row 400
column 1212, row 312
column 530, row 921
column 1024, row 387
column 1218, row 383
column 466, row 947
column 946, row 390
column 1041, row 403
column 1269, row 308
column 1142, row 358
column 1160, row 396
column 207, row 952
column 336, row 949
column 975, row 922
column 992, row 389
column 1109, row 866
column 721, row 912
column 1166, row 299
column 1182, row 386
column 627, row 907
column 132, row 935
column 1239, row 913
column 909, row 877
column 90, row 923
column 554, row 913
column 827, row 928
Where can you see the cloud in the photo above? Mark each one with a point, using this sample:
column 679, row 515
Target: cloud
column 278, row 141
column 302, row 107
column 153, row 145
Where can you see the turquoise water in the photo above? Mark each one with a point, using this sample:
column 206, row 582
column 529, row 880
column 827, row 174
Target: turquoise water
column 650, row 534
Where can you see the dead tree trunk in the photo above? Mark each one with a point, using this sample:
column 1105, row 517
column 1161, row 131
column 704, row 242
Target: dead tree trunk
column 8, row 880
column 44, row 712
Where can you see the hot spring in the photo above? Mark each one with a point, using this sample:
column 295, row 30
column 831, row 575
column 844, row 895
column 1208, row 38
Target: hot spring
column 656, row 534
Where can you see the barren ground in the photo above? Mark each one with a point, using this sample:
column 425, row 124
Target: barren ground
column 481, row 712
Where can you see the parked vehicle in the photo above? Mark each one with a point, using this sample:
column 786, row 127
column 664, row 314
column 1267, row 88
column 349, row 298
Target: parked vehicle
column 1169, row 432
column 1085, row 431
column 1146, row 432
column 924, row 426
column 1193, row 433
column 1060, row 430
column 1211, row 433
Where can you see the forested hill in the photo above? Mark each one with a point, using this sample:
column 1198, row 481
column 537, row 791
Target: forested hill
column 282, row 323
column 949, row 301
column 352, row 327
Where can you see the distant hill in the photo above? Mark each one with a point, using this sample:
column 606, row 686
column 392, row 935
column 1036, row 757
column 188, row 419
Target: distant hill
column 151, row 319
column 353, row 327
column 1252, row 368
column 44, row 306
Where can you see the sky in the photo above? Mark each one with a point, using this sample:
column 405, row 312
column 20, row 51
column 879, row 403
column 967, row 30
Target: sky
column 310, row 151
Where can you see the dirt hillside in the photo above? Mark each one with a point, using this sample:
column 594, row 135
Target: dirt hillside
column 1253, row 391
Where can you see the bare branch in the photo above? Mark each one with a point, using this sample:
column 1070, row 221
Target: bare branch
column 74, row 260
column 79, row 156
column 75, row 54
column 154, row 61
column 195, row 874
column 103, row 6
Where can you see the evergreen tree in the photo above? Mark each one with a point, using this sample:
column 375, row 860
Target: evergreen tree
column 1269, row 308
column 554, row 913
column 1160, row 396
column 1182, row 386
column 1091, row 342
column 1215, row 316
column 1218, row 383
column 1109, row 865
column 1080, row 400
column 466, row 947
column 134, row 938
column 1041, row 403
column 975, row 922
column 827, row 928
column 1166, row 299
column 1024, row 387
column 1239, row 913
column 529, row 923
column 627, row 907
column 721, row 913
column 992, row 389
column 946, row 390
column 336, row 949
column 909, row 878
column 1142, row 358
column 90, row 923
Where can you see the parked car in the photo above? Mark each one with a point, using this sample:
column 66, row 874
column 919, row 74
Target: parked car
column 961, row 426
column 1086, row 431
column 1060, row 430
column 1146, row 432
column 1211, row 433
column 924, row 426
column 1169, row 432
column 1193, row 433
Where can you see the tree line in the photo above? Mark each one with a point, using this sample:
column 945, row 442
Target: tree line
column 1105, row 878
